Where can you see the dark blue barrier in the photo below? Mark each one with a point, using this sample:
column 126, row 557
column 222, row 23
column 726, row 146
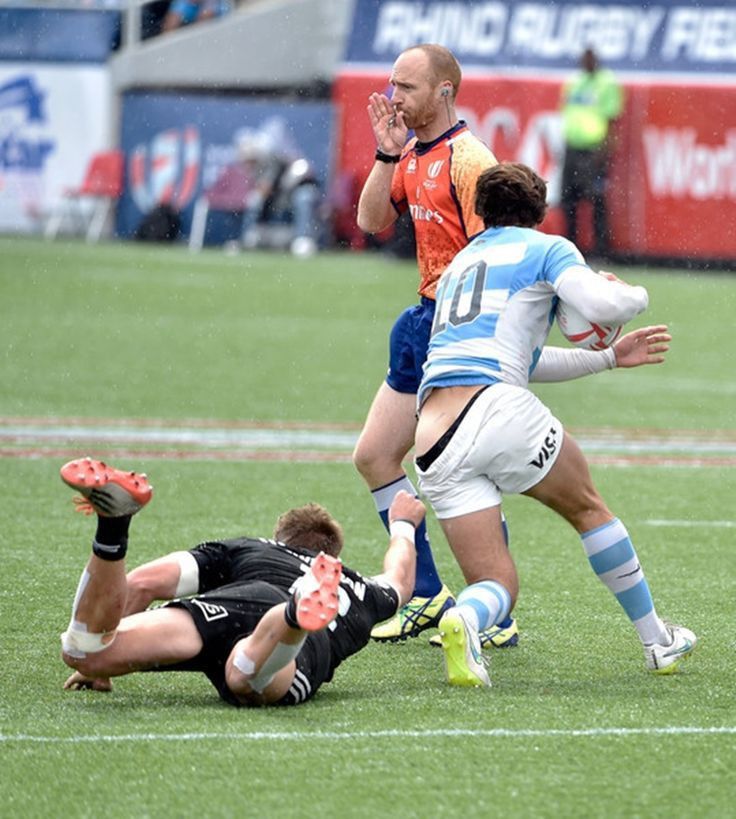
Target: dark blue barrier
column 58, row 35
column 176, row 145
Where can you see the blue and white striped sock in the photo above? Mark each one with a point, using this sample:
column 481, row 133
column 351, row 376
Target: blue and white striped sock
column 483, row 604
column 613, row 558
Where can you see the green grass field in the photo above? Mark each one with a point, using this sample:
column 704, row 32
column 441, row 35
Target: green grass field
column 239, row 385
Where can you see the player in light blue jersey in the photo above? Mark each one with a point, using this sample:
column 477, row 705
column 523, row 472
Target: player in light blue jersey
column 482, row 432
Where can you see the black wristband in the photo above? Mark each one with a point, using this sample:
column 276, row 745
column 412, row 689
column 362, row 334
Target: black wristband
column 389, row 159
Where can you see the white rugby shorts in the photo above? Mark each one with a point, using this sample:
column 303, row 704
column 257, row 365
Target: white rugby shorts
column 506, row 443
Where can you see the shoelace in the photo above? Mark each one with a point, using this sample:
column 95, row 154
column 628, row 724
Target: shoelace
column 413, row 612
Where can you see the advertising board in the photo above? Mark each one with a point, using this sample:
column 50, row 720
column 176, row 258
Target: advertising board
column 177, row 145
column 672, row 189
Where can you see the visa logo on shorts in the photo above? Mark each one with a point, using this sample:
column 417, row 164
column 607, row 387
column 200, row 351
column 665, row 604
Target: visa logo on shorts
column 547, row 450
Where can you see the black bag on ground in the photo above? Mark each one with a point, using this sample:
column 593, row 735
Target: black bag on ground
column 162, row 224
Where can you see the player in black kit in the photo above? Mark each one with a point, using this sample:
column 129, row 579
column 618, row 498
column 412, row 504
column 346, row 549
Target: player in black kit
column 286, row 617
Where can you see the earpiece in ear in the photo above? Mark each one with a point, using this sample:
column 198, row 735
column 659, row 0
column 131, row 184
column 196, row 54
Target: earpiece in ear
column 445, row 92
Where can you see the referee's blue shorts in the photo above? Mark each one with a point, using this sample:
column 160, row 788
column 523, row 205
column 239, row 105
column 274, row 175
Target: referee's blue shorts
column 408, row 345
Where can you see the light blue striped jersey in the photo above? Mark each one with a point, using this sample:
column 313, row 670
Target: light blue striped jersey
column 495, row 307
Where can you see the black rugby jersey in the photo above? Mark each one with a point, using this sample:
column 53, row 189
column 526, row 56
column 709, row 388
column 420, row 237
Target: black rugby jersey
column 363, row 601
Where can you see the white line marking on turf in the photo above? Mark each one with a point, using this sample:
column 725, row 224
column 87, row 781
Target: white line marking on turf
column 675, row 730
column 311, row 442
column 718, row 524
column 188, row 436
column 263, row 435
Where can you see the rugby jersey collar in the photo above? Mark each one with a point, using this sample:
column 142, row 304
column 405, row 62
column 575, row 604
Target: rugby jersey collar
column 423, row 147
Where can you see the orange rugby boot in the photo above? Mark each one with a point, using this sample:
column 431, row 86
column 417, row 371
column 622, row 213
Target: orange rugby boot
column 109, row 492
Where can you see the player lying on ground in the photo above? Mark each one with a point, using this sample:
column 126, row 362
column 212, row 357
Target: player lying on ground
column 481, row 432
column 257, row 643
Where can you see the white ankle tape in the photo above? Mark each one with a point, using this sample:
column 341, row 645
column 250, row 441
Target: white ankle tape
column 76, row 641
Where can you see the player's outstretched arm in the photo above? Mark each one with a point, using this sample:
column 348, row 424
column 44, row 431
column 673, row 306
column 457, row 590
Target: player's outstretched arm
column 399, row 563
column 647, row 345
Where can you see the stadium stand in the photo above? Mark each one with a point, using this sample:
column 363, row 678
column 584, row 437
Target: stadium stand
column 239, row 50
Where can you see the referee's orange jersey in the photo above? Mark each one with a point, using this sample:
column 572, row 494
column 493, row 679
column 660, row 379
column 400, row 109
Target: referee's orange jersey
column 436, row 182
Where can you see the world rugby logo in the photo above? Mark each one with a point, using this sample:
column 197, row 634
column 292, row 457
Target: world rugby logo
column 433, row 171
column 166, row 170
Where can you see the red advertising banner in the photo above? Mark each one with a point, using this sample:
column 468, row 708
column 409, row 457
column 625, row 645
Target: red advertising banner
column 672, row 191
column 677, row 169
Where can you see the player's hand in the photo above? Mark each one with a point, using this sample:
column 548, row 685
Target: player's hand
column 647, row 345
column 388, row 124
column 78, row 682
column 406, row 506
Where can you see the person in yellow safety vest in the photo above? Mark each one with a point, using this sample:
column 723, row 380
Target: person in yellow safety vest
column 591, row 101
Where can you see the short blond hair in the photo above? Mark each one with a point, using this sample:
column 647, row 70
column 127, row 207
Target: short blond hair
column 310, row 527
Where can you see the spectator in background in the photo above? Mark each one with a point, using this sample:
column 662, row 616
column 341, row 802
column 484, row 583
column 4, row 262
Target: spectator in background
column 590, row 102
column 283, row 202
column 183, row 12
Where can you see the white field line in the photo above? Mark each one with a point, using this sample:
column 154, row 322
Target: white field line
column 186, row 436
column 212, row 439
column 274, row 435
column 290, row 736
